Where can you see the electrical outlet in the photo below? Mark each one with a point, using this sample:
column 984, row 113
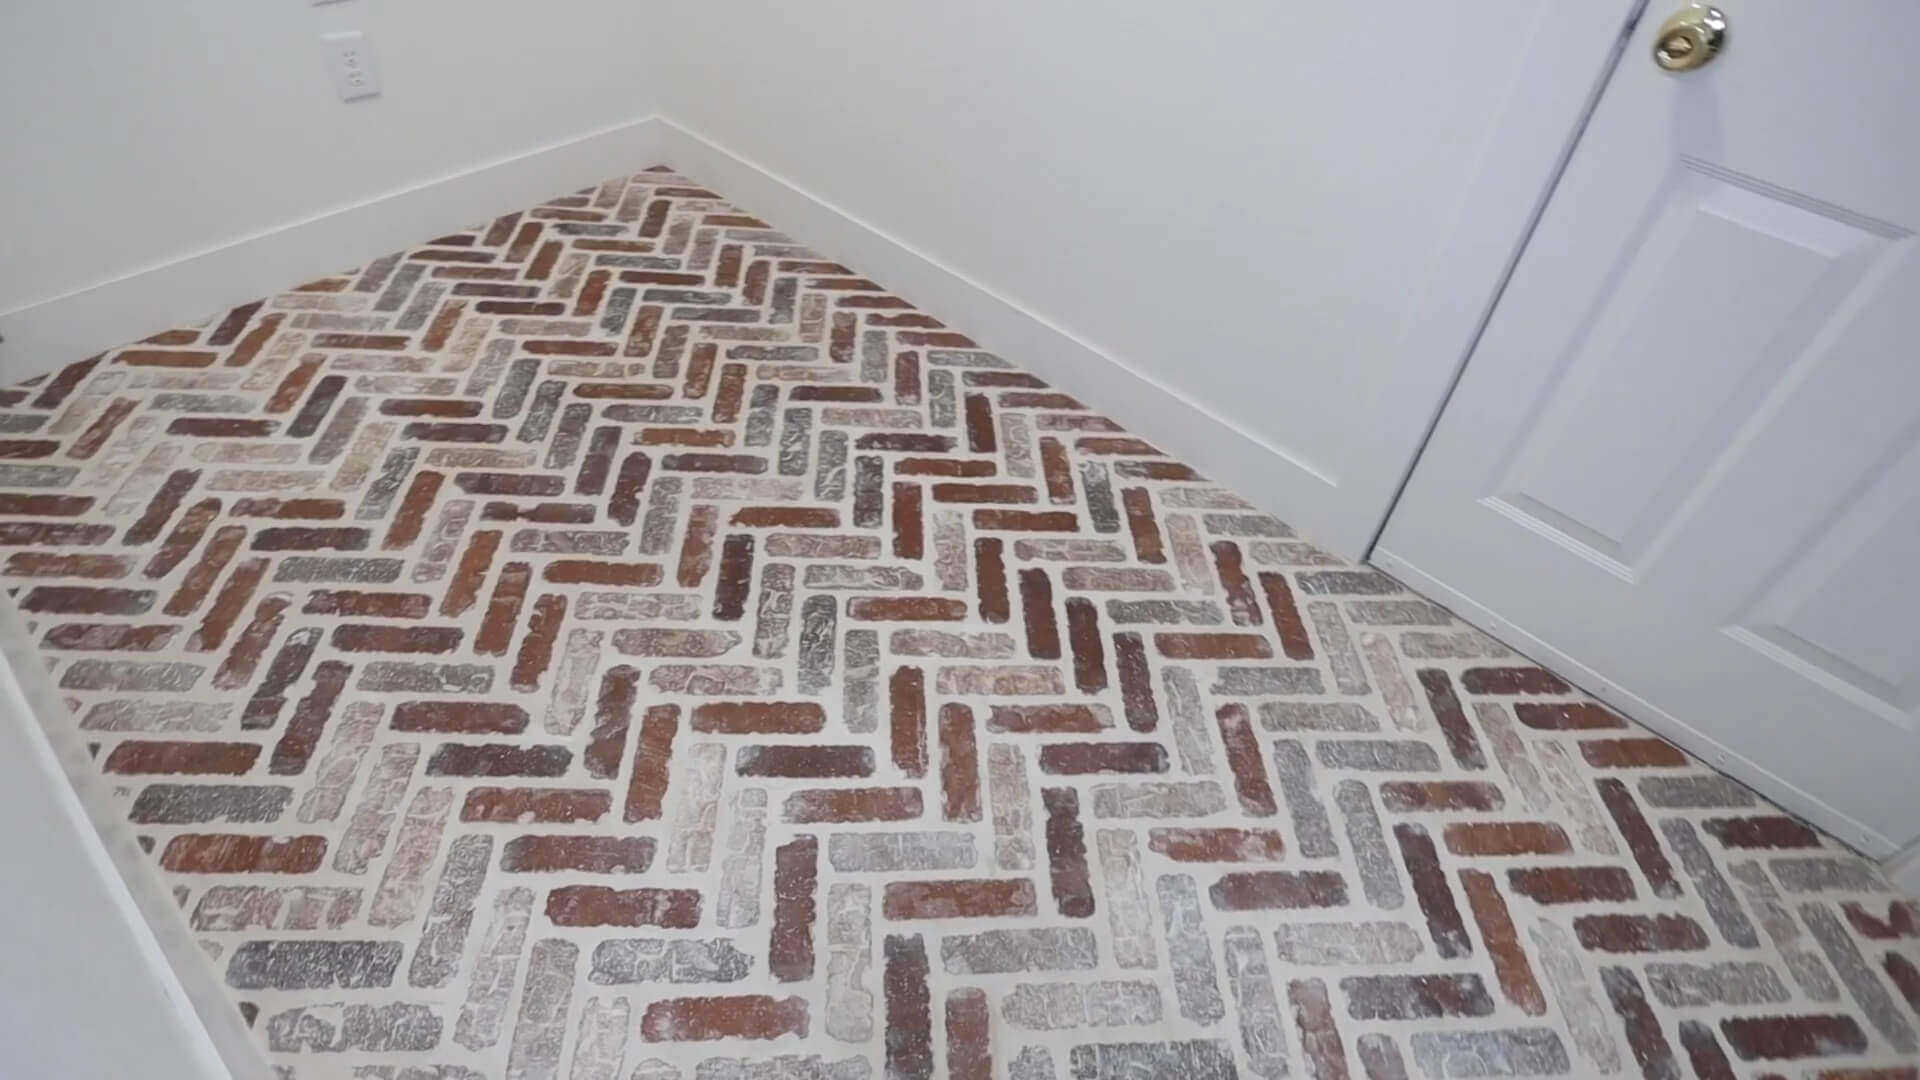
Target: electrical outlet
column 350, row 61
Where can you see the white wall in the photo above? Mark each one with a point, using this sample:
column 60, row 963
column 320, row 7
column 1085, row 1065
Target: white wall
column 1290, row 214
column 1262, row 234
column 139, row 132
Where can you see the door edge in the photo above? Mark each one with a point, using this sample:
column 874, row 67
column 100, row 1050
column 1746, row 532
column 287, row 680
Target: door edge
column 1571, row 144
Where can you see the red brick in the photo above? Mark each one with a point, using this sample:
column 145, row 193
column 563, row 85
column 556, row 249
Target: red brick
column 1083, row 758
column 593, row 572
column 652, row 755
column 1509, row 956
column 795, row 877
column 536, row 648
column 87, row 600
column 759, row 718
column 959, row 764
column 959, row 899
column 1578, row 716
column 498, row 759
column 356, row 637
column 736, row 577
column 1572, row 884
column 969, row 1050
column 545, row 806
column 598, row 905
column 1512, row 680
column 1218, row 845
column 1507, row 838
column 1212, row 646
column 224, row 853
column 1243, row 759
column 789, row 517
column 1136, row 682
column 909, row 1020
column 586, row 854
column 906, row 609
column 991, row 579
column 1045, row 718
column 813, row 762
column 1036, row 605
column 984, row 493
column 1902, row 920
column 1412, row 795
column 503, row 609
column 1771, row 831
column 1633, row 754
column 1774, row 1038
column 1027, row 520
column 376, row 605
column 754, row 1016
column 291, row 509
column 466, row 717
column 1639, row 933
column 109, row 637
column 39, row 564
column 1067, row 853
column 1263, row 889
column 202, row 758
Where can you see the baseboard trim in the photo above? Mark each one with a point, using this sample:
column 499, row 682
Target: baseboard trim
column 48, row 335
column 1903, row 870
column 1715, row 753
column 41, row 735
column 1237, row 459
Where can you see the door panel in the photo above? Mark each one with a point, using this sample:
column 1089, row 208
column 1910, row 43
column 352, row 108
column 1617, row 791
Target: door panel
column 1825, row 614
column 1685, row 456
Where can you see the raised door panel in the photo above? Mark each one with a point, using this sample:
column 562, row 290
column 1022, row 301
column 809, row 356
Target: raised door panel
column 1722, row 285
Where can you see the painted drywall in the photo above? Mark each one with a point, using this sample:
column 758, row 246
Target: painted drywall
column 139, row 134
column 1261, row 234
column 1289, row 215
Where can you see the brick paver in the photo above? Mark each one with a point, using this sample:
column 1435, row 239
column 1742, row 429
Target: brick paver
column 618, row 643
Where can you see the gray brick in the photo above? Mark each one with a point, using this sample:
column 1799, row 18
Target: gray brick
column 1506, row 1052
column 1344, row 943
column 191, row 804
column 993, row 952
column 1378, row 755
column 1199, row 1059
column 335, row 1027
column 658, row 960
column 1730, row 982
column 895, row 851
column 313, row 965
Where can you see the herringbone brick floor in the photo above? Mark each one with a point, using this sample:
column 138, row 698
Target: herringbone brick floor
column 618, row 643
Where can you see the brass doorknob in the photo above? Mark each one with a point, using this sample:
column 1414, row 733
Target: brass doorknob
column 1692, row 36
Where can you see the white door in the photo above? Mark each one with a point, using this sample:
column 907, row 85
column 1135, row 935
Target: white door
column 1683, row 462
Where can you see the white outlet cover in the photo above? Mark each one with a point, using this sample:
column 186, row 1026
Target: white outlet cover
column 350, row 62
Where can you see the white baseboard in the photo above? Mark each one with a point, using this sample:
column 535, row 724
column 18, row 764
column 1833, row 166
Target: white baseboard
column 51, row 334
column 1715, row 753
column 1903, row 870
column 1161, row 414
column 98, row 906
